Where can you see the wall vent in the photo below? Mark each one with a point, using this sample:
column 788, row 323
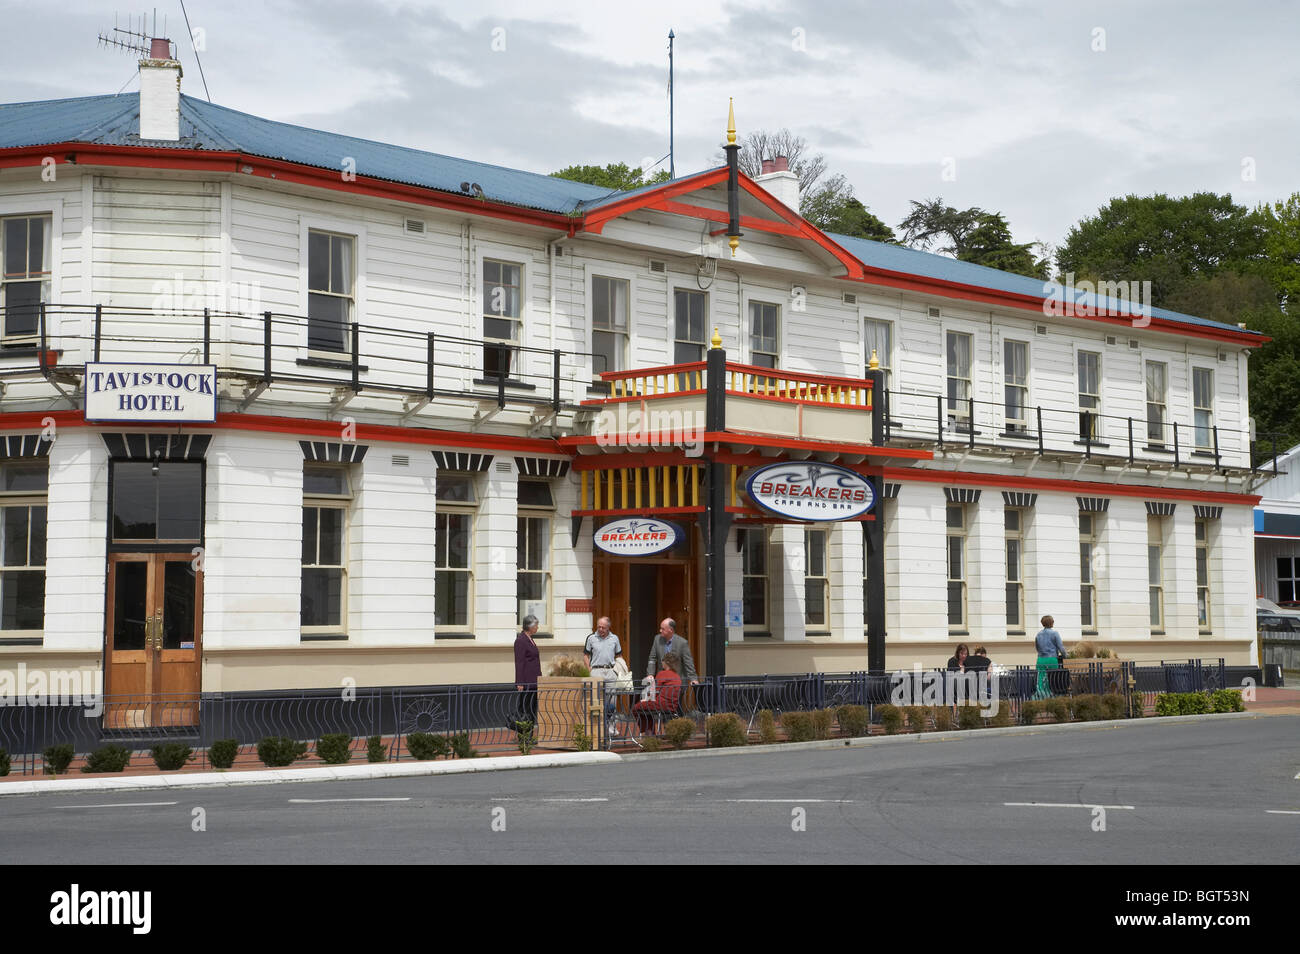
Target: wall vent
column 1134, row 344
column 658, row 267
column 934, row 312
column 1040, row 329
column 850, row 298
column 1112, row 340
column 503, row 467
column 1223, row 356
column 415, row 226
column 401, row 460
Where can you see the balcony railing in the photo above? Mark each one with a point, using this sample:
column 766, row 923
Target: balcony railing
column 956, row 422
column 741, row 380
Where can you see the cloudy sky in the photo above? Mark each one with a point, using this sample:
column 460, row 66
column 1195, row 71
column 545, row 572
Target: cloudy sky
column 1040, row 110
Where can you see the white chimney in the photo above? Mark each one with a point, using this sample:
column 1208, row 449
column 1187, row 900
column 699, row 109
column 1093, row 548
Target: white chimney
column 160, row 94
column 780, row 182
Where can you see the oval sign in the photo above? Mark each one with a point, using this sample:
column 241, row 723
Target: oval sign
column 807, row 490
column 637, row 536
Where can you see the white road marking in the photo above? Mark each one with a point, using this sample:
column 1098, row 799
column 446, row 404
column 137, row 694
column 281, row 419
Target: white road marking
column 788, row 801
column 1064, row 805
column 319, row 801
column 1275, row 811
column 118, row 805
column 575, row 799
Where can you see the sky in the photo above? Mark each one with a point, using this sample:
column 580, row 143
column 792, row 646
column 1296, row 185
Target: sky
column 1040, row 110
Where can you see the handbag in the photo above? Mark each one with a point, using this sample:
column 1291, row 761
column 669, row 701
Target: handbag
column 620, row 676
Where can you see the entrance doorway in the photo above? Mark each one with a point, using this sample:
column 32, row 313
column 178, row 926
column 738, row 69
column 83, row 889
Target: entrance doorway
column 153, row 640
column 637, row 594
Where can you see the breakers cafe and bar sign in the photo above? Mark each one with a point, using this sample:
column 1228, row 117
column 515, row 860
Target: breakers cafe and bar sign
column 151, row 393
column 810, row 491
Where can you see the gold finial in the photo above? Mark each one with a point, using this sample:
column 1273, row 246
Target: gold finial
column 874, row 363
column 717, row 338
column 734, row 242
column 731, row 120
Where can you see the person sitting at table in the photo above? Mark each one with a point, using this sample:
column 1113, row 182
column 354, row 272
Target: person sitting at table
column 668, row 690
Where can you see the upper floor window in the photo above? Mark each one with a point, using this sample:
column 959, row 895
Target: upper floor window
column 1203, row 407
column 1288, row 580
column 609, row 324
column 959, row 386
column 1089, row 394
column 23, row 488
column 880, row 340
column 502, row 315
column 25, row 280
column 326, row 495
column 762, row 334
column 330, row 280
column 688, row 317
column 1015, row 373
column 1157, row 377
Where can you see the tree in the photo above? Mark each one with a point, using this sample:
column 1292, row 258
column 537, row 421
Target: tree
column 616, row 175
column 761, row 144
column 971, row 235
column 833, row 208
column 1281, row 265
column 1164, row 240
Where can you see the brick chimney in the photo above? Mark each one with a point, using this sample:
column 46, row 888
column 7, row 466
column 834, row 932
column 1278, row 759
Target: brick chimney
column 780, row 182
column 160, row 93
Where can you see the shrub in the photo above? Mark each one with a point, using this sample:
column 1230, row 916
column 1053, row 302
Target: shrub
column 1083, row 650
column 968, row 717
column 107, row 758
column 173, row 755
column 918, row 718
column 1227, row 700
column 942, row 717
column 525, row 736
column 1105, row 653
column 461, row 748
column 1087, row 708
column 1059, row 707
column 725, row 730
column 679, row 731
column 1183, row 703
column 1003, row 717
column 278, row 751
column 798, row 726
column 651, row 744
column 425, row 745
column 568, row 666
column 822, row 720
column 1112, row 706
column 766, row 726
column 855, row 721
column 4, row 763
column 1030, row 709
column 376, row 751
column 58, row 758
column 223, row 752
column 1195, row 703
column 581, row 737
column 1136, row 704
column 334, row 748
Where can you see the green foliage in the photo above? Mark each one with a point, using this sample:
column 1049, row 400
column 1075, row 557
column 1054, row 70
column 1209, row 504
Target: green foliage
column 1185, row 703
column 970, row 235
column 679, row 731
column 822, row 720
column 798, row 726
column 222, row 753
column 334, row 748
column 942, row 716
column 461, row 748
column 107, row 758
column 581, row 737
column 968, row 717
column 568, row 666
column 1087, row 708
column 1030, row 710
column 615, row 176
column 766, row 727
column 174, row 755
column 1003, row 717
column 652, row 744
column 1112, row 706
column 1059, row 707
column 425, row 745
column 1227, row 700
column 1136, row 704
column 855, row 721
column 831, row 210
column 918, row 718
column 376, row 751
column 525, row 736
column 4, row 763
column 58, row 758
column 277, row 751
column 725, row 730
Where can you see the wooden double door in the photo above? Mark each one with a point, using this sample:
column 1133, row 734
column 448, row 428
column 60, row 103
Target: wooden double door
column 637, row 593
column 154, row 639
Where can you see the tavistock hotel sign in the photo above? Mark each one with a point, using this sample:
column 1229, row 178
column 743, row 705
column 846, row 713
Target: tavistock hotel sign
column 808, row 490
column 637, row 536
column 149, row 393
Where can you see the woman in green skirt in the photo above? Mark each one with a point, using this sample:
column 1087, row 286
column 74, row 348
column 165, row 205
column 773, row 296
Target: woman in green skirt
column 1050, row 649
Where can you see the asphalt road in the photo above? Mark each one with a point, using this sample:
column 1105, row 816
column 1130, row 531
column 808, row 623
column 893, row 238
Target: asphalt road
column 1212, row 793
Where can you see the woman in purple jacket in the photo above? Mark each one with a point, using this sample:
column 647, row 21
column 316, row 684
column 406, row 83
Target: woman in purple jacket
column 528, row 668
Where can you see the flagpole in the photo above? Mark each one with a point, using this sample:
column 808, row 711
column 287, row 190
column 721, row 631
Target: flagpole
column 672, row 168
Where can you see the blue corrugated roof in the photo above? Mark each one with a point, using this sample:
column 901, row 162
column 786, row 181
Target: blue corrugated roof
column 114, row 120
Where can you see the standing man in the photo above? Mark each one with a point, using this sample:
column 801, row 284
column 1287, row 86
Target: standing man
column 669, row 642
column 601, row 648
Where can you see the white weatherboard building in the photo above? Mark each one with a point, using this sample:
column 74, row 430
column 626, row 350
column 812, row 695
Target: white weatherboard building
column 435, row 379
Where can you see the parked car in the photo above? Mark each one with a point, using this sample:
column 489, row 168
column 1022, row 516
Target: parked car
column 1271, row 618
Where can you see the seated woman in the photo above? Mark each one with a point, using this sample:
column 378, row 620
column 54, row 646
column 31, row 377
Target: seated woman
column 668, row 690
column 958, row 661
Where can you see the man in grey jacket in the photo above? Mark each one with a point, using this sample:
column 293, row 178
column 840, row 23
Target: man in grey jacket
column 669, row 642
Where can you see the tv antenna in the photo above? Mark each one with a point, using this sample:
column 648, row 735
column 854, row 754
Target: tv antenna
column 134, row 38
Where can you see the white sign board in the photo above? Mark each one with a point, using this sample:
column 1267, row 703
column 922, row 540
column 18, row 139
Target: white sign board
column 151, row 393
column 637, row 536
column 807, row 490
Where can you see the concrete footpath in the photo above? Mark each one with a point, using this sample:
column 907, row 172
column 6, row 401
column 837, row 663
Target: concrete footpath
column 353, row 773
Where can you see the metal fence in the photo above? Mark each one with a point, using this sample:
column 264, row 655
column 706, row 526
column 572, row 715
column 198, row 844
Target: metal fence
column 575, row 714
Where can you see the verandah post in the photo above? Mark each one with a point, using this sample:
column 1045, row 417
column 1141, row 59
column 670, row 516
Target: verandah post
column 717, row 521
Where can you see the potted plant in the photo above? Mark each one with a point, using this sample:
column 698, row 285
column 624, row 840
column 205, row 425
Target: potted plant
column 567, row 696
